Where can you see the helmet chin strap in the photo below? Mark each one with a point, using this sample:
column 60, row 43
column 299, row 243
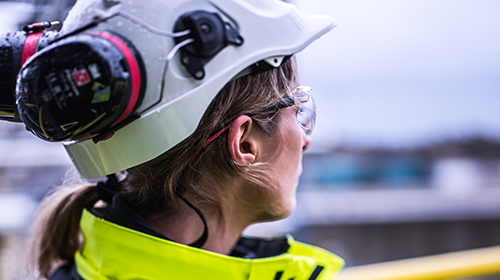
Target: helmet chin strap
column 203, row 238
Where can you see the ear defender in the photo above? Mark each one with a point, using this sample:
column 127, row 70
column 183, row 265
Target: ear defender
column 80, row 86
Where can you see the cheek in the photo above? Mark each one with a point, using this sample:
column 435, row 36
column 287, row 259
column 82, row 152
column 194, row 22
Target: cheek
column 286, row 167
column 294, row 148
column 291, row 157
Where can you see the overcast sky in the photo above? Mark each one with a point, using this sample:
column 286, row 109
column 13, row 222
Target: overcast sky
column 404, row 72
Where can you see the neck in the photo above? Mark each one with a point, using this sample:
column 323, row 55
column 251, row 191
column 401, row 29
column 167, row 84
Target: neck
column 185, row 226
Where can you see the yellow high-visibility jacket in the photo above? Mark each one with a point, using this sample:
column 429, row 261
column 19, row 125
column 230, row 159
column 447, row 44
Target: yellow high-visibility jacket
column 111, row 251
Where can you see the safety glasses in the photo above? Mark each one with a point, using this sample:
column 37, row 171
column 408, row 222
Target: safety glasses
column 306, row 114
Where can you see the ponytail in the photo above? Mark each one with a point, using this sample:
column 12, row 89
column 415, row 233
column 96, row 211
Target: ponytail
column 55, row 235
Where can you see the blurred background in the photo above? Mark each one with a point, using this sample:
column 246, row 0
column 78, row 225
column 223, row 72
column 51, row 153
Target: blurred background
column 405, row 159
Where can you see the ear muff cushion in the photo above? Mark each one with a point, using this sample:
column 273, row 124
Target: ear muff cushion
column 80, row 86
column 135, row 64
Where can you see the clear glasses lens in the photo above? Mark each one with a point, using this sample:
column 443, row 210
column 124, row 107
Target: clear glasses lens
column 306, row 115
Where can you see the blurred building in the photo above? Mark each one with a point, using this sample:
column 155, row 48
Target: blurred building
column 29, row 168
column 372, row 205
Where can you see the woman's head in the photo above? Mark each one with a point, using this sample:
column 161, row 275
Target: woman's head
column 250, row 106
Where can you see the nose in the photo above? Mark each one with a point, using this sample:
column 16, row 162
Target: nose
column 306, row 140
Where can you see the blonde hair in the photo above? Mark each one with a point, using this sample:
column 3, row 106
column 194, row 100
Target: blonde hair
column 150, row 187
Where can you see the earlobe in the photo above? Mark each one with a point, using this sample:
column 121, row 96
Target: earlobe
column 241, row 145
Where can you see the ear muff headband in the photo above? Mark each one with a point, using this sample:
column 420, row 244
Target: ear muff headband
column 29, row 47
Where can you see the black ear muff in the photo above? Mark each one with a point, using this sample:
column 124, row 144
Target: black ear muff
column 80, row 86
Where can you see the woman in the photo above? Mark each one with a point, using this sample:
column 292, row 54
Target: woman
column 180, row 215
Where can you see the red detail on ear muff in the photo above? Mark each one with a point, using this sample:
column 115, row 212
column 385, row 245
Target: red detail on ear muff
column 29, row 47
column 134, row 72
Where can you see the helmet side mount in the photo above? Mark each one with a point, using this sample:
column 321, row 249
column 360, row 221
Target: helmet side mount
column 210, row 33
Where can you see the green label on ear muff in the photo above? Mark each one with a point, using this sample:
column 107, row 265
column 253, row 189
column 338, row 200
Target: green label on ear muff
column 66, row 127
column 101, row 93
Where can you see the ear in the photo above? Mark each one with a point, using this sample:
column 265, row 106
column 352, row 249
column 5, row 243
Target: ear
column 242, row 147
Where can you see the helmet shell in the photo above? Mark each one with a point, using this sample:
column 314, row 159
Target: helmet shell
column 270, row 28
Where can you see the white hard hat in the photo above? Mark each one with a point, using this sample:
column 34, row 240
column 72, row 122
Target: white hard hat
column 178, row 90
